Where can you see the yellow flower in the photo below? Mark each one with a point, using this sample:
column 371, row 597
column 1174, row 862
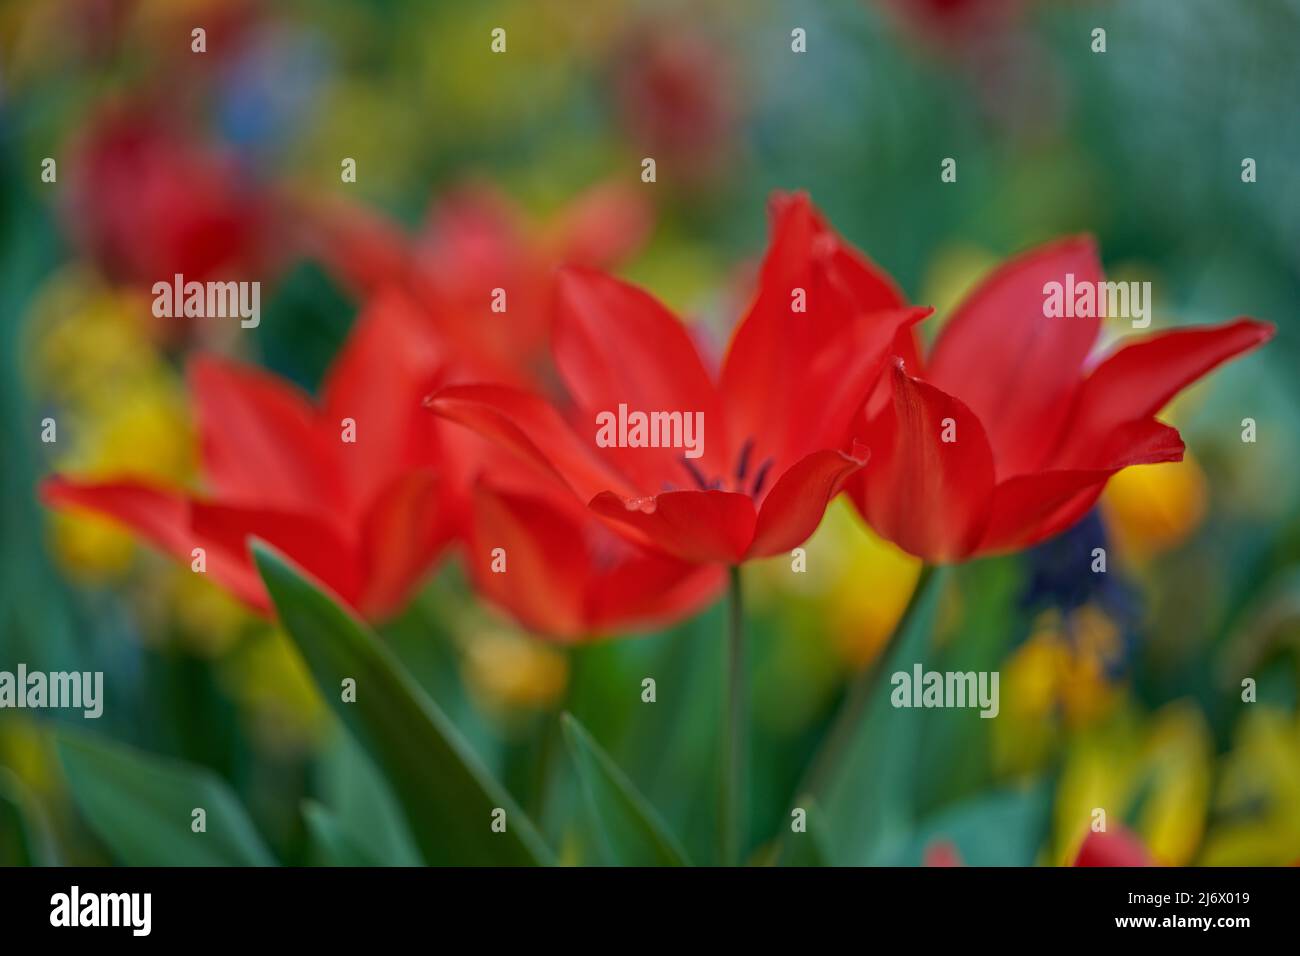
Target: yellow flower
column 210, row 620
column 861, row 583
column 1156, row 780
column 1257, row 801
column 275, row 690
column 90, row 339
column 1152, row 508
column 1056, row 681
column 511, row 672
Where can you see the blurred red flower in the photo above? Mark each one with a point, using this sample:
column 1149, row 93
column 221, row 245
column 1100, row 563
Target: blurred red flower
column 146, row 202
column 790, row 385
column 366, row 517
column 1001, row 437
column 476, row 242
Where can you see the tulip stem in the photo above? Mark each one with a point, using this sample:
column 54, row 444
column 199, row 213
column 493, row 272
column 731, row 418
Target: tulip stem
column 735, row 740
column 855, row 701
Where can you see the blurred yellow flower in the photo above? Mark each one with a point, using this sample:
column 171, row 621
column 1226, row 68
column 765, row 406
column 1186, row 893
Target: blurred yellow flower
column 1054, row 681
column 209, row 619
column 268, row 678
column 1153, row 508
column 1154, row 779
column 1257, row 801
column 120, row 408
column 511, row 672
column 861, row 582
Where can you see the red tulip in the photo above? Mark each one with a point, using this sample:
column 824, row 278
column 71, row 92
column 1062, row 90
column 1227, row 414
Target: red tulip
column 366, row 517
column 774, row 420
column 476, row 242
column 564, row 575
column 1004, row 436
column 146, row 203
column 1119, row 848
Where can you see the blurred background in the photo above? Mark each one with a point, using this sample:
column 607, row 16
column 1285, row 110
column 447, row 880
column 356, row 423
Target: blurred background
column 1124, row 695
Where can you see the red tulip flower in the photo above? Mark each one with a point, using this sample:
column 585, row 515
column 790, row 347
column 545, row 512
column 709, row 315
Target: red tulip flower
column 475, row 243
column 1005, row 434
column 770, row 457
column 147, row 202
column 364, row 516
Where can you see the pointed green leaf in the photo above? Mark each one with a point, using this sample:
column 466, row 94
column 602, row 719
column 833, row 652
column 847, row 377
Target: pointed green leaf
column 449, row 798
column 634, row 834
column 141, row 806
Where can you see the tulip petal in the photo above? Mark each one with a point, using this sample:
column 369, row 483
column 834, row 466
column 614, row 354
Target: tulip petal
column 176, row 525
column 602, row 226
column 698, row 526
column 643, row 590
column 1141, row 377
column 402, row 535
column 781, row 361
column 1014, row 367
column 927, row 495
column 389, row 363
column 530, row 427
column 546, row 568
column 1028, row 509
column 797, row 502
column 313, row 544
column 363, row 249
column 616, row 345
column 258, row 439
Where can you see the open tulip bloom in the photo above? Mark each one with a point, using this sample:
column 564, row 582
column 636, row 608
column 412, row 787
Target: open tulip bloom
column 768, row 450
column 1006, row 433
column 350, row 489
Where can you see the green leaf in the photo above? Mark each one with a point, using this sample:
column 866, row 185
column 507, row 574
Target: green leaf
column 330, row 845
column 362, row 804
column 24, row 837
column 634, row 834
column 140, row 806
column 867, row 795
column 448, row 796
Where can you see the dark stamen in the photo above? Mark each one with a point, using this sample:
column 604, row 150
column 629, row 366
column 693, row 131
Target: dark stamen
column 743, row 466
column 695, row 473
column 761, row 477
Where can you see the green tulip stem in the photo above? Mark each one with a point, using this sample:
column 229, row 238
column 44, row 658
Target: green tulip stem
column 735, row 728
